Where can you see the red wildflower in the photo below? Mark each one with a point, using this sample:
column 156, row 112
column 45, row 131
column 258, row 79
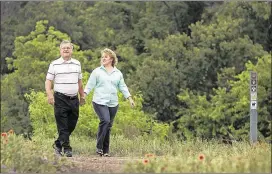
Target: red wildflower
column 201, row 157
column 145, row 161
column 4, row 134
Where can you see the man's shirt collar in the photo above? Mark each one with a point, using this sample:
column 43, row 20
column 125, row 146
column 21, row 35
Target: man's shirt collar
column 65, row 61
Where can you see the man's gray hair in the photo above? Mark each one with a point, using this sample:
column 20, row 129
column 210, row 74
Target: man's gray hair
column 66, row 42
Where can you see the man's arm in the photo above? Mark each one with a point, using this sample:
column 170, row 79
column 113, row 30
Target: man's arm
column 80, row 88
column 81, row 92
column 48, row 89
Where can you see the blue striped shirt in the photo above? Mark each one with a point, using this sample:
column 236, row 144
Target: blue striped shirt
column 106, row 86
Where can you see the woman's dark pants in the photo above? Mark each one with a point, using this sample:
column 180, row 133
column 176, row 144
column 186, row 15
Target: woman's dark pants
column 106, row 115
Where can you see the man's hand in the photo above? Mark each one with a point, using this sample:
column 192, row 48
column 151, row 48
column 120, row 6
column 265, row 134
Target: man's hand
column 50, row 96
column 50, row 99
column 82, row 101
column 132, row 104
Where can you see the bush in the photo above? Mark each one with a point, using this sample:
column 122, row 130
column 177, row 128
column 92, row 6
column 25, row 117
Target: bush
column 20, row 155
column 226, row 115
column 130, row 122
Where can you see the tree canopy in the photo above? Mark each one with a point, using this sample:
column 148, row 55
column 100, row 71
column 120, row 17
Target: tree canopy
column 189, row 61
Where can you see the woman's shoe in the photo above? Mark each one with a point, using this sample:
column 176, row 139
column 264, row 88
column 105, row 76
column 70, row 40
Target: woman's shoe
column 68, row 153
column 106, row 155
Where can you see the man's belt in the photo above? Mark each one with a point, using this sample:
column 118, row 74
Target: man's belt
column 66, row 96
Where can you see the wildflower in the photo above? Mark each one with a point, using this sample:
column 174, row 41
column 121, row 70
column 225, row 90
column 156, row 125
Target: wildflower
column 145, row 161
column 11, row 131
column 150, row 155
column 4, row 134
column 201, row 157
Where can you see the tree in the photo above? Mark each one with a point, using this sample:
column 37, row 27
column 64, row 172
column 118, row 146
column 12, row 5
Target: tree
column 31, row 58
column 23, row 19
column 158, row 82
column 226, row 115
column 209, row 49
column 254, row 18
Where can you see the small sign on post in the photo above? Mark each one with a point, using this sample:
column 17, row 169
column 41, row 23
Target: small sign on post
column 253, row 106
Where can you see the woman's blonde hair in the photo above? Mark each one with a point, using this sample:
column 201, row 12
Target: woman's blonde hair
column 111, row 54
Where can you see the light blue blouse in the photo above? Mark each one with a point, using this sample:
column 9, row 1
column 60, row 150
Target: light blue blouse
column 106, row 86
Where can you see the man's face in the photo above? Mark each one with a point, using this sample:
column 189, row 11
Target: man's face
column 66, row 50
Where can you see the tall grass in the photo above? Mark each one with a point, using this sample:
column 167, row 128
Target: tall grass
column 21, row 155
column 204, row 156
column 144, row 154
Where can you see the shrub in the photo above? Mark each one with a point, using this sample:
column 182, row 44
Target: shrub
column 20, row 155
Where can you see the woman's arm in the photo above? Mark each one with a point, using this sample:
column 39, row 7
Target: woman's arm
column 90, row 84
column 124, row 89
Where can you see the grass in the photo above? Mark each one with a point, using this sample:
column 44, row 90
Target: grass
column 154, row 155
column 20, row 155
column 211, row 157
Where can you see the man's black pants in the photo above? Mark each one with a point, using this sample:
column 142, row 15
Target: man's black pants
column 66, row 114
column 106, row 115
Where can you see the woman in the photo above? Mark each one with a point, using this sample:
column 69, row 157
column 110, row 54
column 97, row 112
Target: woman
column 106, row 80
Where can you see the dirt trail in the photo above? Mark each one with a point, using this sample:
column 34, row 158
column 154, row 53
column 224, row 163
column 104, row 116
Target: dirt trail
column 99, row 164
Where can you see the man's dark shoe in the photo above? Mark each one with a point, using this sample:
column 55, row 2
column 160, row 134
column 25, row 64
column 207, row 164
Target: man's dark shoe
column 68, row 153
column 57, row 150
column 99, row 152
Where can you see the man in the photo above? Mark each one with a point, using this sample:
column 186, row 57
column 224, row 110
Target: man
column 66, row 74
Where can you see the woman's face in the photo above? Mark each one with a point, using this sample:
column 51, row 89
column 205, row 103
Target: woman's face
column 106, row 59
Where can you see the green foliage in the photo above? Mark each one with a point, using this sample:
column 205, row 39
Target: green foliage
column 159, row 19
column 210, row 49
column 254, row 17
column 159, row 84
column 20, row 156
column 162, row 47
column 128, row 122
column 63, row 16
column 13, row 107
column 108, row 24
column 226, row 115
column 127, row 59
column 99, row 24
column 199, row 157
column 32, row 56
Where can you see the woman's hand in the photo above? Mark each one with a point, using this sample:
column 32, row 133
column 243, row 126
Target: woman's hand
column 132, row 104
